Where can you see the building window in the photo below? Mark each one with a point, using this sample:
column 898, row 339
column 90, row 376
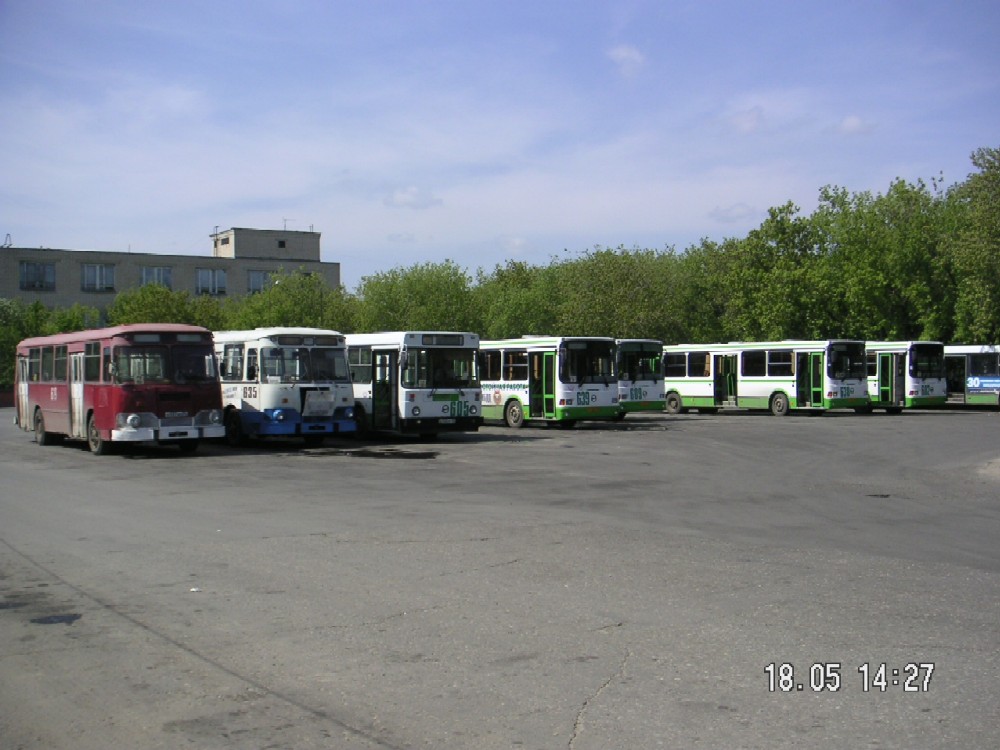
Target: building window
column 210, row 281
column 257, row 281
column 98, row 277
column 281, row 244
column 155, row 275
column 38, row 276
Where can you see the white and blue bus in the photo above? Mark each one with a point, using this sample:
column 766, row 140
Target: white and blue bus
column 556, row 379
column 416, row 382
column 291, row 382
column 780, row 376
column 973, row 374
column 905, row 375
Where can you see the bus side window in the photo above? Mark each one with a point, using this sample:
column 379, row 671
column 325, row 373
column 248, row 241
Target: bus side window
column 232, row 361
column 252, row 365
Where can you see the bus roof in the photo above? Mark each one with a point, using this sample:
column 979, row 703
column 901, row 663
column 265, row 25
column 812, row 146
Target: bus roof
column 411, row 338
column 972, row 349
column 545, row 341
column 269, row 332
column 97, row 334
column 785, row 344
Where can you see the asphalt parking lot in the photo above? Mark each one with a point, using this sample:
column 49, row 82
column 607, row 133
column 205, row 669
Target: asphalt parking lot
column 736, row 580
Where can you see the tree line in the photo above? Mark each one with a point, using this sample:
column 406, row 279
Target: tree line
column 920, row 261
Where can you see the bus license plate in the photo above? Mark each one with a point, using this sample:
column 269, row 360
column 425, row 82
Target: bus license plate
column 447, row 421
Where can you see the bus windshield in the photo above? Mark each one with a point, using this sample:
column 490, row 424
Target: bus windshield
column 848, row 361
column 440, row 368
column 927, row 361
column 291, row 364
column 162, row 364
column 329, row 363
column 587, row 362
column 641, row 363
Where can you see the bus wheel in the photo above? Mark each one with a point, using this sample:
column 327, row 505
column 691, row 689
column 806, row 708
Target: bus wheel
column 188, row 446
column 513, row 414
column 98, row 445
column 673, row 403
column 779, row 405
column 234, row 430
column 361, row 420
column 41, row 436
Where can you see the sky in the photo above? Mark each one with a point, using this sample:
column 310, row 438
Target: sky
column 474, row 131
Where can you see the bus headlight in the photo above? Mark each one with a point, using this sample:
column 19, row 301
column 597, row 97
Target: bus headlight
column 133, row 421
column 278, row 415
column 473, row 409
column 416, row 411
column 444, row 408
column 215, row 416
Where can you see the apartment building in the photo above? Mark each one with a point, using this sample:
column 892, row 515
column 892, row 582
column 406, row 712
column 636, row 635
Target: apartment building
column 241, row 263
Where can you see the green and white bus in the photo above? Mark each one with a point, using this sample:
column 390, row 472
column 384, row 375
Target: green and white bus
column 639, row 364
column 972, row 372
column 556, row 379
column 416, row 382
column 284, row 382
column 780, row 376
column 905, row 375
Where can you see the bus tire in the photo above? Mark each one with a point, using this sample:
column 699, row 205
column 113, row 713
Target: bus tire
column 674, row 405
column 894, row 410
column 513, row 414
column 41, row 436
column 188, row 446
column 235, row 437
column 360, row 421
column 779, row 405
column 97, row 444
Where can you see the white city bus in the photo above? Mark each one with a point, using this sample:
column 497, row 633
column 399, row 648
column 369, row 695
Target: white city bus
column 639, row 364
column 416, row 382
column 549, row 378
column 973, row 374
column 905, row 374
column 284, row 382
column 781, row 376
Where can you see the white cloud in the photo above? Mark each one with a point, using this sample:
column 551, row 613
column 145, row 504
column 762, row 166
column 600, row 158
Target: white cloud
column 854, row 125
column 411, row 197
column 628, row 59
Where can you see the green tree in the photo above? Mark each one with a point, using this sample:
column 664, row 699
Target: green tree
column 151, row 303
column 974, row 250
column 515, row 299
column 425, row 296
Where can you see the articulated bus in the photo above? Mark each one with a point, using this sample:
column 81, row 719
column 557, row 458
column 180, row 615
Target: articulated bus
column 284, row 382
column 973, row 374
column 550, row 378
column 905, row 374
column 416, row 382
column 781, row 376
column 148, row 383
column 639, row 364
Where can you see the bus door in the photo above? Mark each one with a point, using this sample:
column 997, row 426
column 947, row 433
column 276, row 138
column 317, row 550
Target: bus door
column 23, row 404
column 536, row 384
column 549, row 384
column 725, row 379
column 385, row 383
column 77, row 410
column 955, row 372
column 810, row 379
column 889, row 387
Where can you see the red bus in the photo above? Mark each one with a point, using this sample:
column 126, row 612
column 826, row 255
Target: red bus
column 143, row 383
